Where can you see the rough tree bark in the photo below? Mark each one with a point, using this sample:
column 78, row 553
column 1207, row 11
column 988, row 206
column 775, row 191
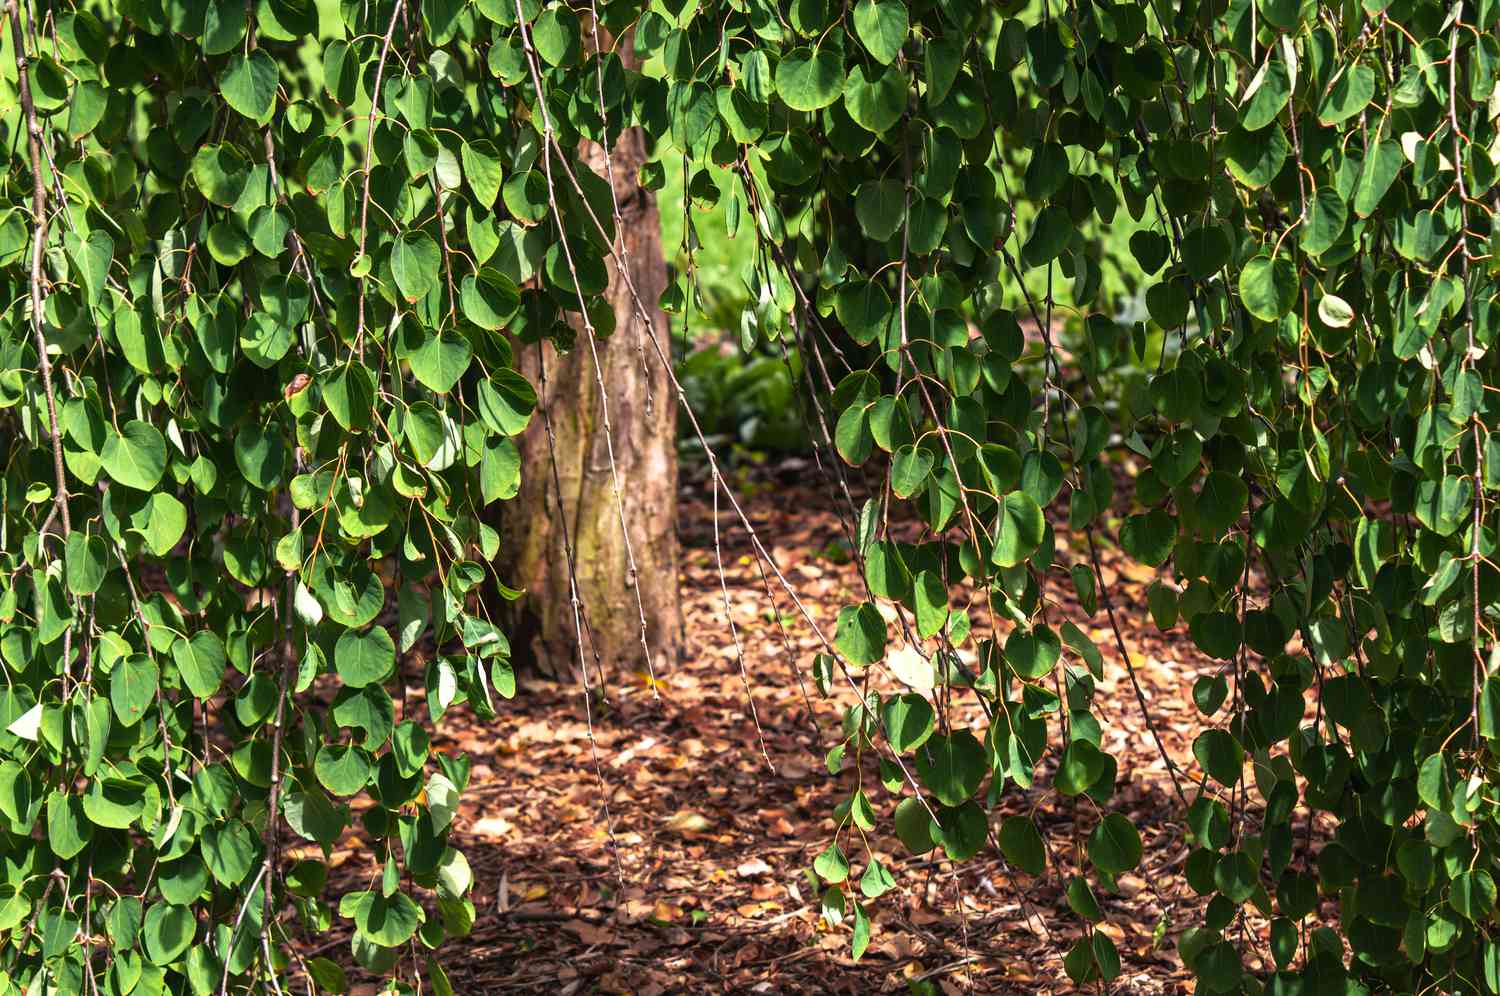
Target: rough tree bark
column 643, row 420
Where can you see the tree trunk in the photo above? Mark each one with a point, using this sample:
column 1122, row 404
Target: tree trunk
column 642, row 421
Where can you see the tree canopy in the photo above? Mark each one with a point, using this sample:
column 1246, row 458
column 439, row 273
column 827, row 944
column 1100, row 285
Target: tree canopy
column 269, row 267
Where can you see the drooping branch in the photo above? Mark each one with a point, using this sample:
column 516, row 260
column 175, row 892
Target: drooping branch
column 38, row 244
column 364, row 198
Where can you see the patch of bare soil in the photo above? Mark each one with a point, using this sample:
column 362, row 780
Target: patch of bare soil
column 698, row 879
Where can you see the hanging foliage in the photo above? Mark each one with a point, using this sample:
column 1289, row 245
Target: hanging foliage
column 269, row 266
column 936, row 195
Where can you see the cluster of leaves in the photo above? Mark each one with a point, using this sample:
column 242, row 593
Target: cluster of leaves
column 1320, row 250
column 261, row 371
column 750, row 401
column 267, row 274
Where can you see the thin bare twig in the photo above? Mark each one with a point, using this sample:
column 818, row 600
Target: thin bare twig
column 38, row 246
column 622, row 261
column 38, row 301
column 576, row 604
column 364, row 198
column 734, row 632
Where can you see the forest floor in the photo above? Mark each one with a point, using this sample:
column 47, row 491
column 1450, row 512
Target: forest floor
column 699, row 880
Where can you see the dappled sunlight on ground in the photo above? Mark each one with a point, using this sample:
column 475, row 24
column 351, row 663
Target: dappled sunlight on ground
column 715, row 839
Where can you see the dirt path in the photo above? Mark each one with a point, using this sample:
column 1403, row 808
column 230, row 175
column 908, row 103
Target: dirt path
column 715, row 848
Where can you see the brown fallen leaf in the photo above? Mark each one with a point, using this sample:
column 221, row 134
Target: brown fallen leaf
column 686, row 822
column 754, row 868
column 590, row 934
column 665, row 912
column 491, row 826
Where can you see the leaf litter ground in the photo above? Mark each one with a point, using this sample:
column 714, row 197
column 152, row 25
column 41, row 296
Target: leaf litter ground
column 704, row 884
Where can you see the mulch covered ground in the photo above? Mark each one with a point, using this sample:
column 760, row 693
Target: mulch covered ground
column 699, row 878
